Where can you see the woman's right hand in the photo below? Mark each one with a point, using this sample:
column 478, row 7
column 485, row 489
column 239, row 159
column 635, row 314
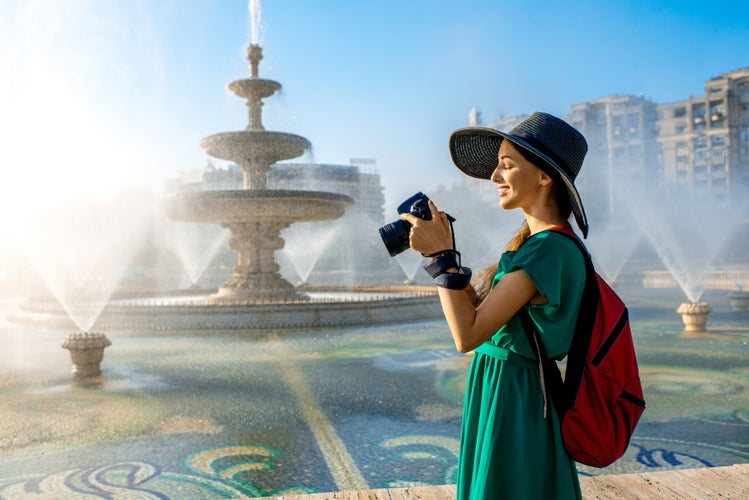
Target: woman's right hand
column 430, row 236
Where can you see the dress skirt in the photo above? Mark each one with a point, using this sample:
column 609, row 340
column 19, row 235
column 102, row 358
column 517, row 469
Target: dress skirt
column 507, row 448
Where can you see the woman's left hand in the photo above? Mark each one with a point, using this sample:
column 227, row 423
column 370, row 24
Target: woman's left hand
column 430, row 236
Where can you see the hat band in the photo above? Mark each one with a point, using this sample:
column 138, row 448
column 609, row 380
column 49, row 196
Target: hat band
column 561, row 163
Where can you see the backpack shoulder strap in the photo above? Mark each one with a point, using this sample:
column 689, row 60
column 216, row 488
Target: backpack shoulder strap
column 562, row 391
column 551, row 377
column 586, row 317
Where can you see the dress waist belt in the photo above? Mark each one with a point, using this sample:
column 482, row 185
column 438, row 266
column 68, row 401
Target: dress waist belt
column 506, row 355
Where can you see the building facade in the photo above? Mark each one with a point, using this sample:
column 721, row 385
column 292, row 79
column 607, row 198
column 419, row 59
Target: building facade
column 622, row 149
column 700, row 145
column 705, row 139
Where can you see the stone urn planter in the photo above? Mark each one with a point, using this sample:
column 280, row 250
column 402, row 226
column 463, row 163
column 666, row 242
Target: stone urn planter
column 694, row 315
column 86, row 352
column 739, row 301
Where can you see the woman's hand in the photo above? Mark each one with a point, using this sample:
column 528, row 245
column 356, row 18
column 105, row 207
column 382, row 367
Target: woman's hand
column 430, row 236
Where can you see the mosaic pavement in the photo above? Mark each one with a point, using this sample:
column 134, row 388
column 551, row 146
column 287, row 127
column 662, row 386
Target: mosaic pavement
column 226, row 416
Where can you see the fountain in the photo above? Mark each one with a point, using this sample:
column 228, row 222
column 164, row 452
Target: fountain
column 687, row 235
column 256, row 215
column 256, row 297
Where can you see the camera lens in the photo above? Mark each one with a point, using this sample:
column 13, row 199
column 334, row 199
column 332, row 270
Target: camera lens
column 395, row 236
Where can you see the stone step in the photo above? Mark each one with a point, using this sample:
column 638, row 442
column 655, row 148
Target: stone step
column 687, row 484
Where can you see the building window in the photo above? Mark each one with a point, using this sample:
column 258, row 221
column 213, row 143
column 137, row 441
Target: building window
column 718, row 140
column 700, row 141
column 700, row 155
column 680, row 129
column 680, row 112
column 744, row 94
column 633, row 124
column 717, row 114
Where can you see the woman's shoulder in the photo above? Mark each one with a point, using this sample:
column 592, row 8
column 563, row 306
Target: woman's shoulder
column 549, row 238
column 548, row 244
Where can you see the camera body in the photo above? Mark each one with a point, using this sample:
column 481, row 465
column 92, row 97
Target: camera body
column 395, row 235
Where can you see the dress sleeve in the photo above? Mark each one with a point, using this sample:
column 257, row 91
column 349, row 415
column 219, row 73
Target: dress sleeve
column 543, row 260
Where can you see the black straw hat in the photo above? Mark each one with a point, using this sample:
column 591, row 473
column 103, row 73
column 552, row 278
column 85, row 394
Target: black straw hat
column 557, row 143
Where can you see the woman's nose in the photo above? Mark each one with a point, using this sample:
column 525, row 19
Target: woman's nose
column 496, row 175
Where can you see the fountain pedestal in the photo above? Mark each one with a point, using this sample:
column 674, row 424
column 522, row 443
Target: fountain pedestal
column 694, row 315
column 86, row 352
column 739, row 301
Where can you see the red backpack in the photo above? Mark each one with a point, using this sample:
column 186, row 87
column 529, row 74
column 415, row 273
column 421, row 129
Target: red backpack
column 600, row 399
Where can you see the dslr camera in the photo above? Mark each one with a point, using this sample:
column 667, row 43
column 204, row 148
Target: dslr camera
column 395, row 235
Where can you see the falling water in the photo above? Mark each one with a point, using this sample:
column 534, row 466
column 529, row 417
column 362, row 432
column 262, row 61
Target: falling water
column 196, row 245
column 410, row 263
column 82, row 253
column 305, row 243
column 611, row 245
column 687, row 237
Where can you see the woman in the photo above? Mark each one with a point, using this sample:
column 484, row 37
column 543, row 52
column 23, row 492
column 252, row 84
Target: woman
column 508, row 449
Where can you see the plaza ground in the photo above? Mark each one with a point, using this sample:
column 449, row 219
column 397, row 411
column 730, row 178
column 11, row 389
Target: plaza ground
column 226, row 415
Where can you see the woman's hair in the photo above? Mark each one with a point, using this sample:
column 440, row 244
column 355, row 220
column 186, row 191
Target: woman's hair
column 485, row 277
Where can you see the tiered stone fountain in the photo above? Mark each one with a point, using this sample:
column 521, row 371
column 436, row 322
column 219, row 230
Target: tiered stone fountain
column 256, row 298
column 256, row 215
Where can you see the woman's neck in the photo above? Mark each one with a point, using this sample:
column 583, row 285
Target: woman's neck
column 547, row 221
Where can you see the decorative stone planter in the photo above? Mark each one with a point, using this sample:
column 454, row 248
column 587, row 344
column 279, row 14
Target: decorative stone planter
column 739, row 301
column 694, row 315
column 86, row 352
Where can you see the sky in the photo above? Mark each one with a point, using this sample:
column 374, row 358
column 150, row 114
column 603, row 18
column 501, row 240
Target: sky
column 96, row 95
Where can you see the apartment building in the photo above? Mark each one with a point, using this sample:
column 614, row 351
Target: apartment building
column 705, row 139
column 622, row 149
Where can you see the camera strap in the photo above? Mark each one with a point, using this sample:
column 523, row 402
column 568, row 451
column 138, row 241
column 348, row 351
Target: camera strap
column 448, row 259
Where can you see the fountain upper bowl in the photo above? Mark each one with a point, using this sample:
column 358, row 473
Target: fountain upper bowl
column 254, row 87
column 246, row 145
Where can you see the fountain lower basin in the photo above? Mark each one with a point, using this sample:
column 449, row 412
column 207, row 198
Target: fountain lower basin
column 328, row 307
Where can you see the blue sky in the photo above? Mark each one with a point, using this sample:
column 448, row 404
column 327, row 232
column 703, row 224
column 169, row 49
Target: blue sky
column 97, row 94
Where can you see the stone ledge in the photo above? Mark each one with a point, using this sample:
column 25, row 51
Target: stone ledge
column 716, row 482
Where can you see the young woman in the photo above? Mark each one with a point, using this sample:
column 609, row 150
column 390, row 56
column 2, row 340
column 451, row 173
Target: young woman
column 508, row 449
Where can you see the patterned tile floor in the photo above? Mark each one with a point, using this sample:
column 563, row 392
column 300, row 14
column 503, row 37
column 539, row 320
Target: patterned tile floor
column 225, row 416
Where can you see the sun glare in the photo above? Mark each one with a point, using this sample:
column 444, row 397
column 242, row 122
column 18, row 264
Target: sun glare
column 61, row 83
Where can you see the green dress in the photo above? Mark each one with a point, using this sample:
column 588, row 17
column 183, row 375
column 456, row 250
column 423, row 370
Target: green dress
column 507, row 449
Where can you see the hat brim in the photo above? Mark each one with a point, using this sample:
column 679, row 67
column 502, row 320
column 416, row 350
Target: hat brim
column 474, row 151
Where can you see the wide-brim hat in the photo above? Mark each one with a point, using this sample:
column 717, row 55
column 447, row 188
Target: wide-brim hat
column 555, row 142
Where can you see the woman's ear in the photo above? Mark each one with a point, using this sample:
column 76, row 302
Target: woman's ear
column 544, row 178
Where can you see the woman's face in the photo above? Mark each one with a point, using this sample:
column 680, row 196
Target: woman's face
column 518, row 180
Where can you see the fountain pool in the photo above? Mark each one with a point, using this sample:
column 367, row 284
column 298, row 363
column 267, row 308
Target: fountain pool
column 180, row 414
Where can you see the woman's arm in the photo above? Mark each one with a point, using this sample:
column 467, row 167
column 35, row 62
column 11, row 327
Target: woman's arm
column 471, row 326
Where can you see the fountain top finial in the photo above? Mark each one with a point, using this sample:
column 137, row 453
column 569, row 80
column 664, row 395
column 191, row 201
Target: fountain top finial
column 254, row 54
